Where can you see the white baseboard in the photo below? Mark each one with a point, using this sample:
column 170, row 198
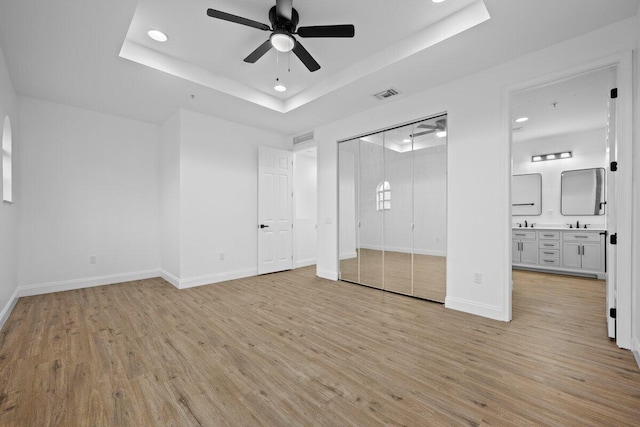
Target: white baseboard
column 67, row 285
column 348, row 255
column 327, row 274
column 417, row 251
column 215, row 278
column 472, row 307
column 305, row 262
column 170, row 278
column 635, row 349
column 8, row 308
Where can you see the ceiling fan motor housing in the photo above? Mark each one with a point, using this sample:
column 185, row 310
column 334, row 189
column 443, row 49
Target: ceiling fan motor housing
column 282, row 23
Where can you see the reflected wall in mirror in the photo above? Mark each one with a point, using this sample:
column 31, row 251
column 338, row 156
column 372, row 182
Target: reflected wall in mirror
column 526, row 194
column 582, row 192
column 392, row 209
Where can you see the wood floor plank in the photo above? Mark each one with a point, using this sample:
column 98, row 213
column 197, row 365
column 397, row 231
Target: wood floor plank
column 293, row 349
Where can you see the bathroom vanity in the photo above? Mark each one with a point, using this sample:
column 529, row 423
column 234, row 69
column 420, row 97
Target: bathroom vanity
column 574, row 251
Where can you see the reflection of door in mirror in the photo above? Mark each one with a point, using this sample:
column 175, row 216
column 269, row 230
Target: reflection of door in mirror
column 582, row 192
column 392, row 202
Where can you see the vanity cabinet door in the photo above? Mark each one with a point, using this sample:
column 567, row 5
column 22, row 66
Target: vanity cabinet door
column 529, row 253
column 591, row 257
column 571, row 255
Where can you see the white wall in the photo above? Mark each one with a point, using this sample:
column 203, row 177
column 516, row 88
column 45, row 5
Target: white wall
column 89, row 185
column 219, row 197
column 635, row 328
column 305, row 188
column 170, row 198
column 479, row 221
column 8, row 211
column 589, row 151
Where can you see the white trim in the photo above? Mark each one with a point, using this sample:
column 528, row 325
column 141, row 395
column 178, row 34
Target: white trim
column 8, row 308
column 175, row 281
column 473, row 307
column 327, row 274
column 623, row 61
column 305, row 262
column 215, row 278
column 635, row 349
column 404, row 250
column 88, row 282
column 348, row 255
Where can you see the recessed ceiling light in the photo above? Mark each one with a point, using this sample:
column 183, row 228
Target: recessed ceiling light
column 158, row 36
column 522, row 119
column 441, row 134
column 279, row 87
column 437, row 1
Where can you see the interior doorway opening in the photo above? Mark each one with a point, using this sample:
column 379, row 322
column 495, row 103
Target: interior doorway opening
column 564, row 198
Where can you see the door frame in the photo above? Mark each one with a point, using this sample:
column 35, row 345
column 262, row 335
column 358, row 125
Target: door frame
column 623, row 62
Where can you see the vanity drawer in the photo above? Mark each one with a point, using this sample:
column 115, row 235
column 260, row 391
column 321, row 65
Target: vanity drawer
column 549, row 254
column 523, row 235
column 549, row 235
column 549, row 244
column 549, row 261
column 580, row 236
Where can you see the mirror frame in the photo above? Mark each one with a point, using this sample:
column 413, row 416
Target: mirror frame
column 602, row 202
column 533, row 211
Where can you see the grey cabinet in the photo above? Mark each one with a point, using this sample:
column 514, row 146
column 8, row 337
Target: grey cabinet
column 524, row 247
column 583, row 250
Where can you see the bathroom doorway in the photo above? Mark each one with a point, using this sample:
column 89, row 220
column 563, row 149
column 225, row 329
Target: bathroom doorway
column 564, row 133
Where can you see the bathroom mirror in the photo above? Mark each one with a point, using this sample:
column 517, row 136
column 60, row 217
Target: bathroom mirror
column 526, row 194
column 582, row 192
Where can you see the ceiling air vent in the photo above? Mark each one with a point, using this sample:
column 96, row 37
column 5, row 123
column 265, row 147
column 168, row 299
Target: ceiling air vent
column 387, row 93
column 303, row 138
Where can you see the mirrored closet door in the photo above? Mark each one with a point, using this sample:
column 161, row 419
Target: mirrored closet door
column 392, row 202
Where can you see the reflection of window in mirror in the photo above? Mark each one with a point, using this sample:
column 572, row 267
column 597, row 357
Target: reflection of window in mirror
column 383, row 196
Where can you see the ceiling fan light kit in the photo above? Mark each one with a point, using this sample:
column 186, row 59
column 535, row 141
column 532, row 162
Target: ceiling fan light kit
column 284, row 22
column 282, row 41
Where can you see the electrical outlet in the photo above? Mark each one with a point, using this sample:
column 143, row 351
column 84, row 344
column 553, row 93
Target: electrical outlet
column 222, row 256
column 93, row 259
column 477, row 277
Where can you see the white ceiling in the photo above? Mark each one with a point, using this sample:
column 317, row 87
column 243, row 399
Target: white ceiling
column 574, row 105
column 68, row 52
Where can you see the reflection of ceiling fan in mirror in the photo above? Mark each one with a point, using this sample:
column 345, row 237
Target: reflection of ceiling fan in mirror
column 284, row 22
column 440, row 128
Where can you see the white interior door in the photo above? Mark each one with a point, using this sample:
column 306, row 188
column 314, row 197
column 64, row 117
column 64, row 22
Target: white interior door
column 610, row 213
column 275, row 210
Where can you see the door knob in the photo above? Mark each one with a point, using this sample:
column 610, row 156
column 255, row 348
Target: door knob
column 264, row 226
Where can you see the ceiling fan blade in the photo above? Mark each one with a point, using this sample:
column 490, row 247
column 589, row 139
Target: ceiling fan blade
column 237, row 19
column 305, row 57
column 426, row 132
column 327, row 31
column 426, row 126
column 259, row 52
column 284, row 9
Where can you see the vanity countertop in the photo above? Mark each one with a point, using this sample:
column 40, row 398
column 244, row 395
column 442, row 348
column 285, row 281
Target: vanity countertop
column 565, row 228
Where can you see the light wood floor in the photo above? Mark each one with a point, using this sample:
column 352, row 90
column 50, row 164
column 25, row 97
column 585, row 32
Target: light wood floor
column 291, row 349
column 392, row 271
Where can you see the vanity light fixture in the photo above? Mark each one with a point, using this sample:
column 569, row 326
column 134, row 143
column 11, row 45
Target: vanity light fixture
column 522, row 119
column 552, row 156
column 157, row 35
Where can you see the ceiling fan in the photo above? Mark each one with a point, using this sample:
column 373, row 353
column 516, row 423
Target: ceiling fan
column 440, row 126
column 284, row 20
